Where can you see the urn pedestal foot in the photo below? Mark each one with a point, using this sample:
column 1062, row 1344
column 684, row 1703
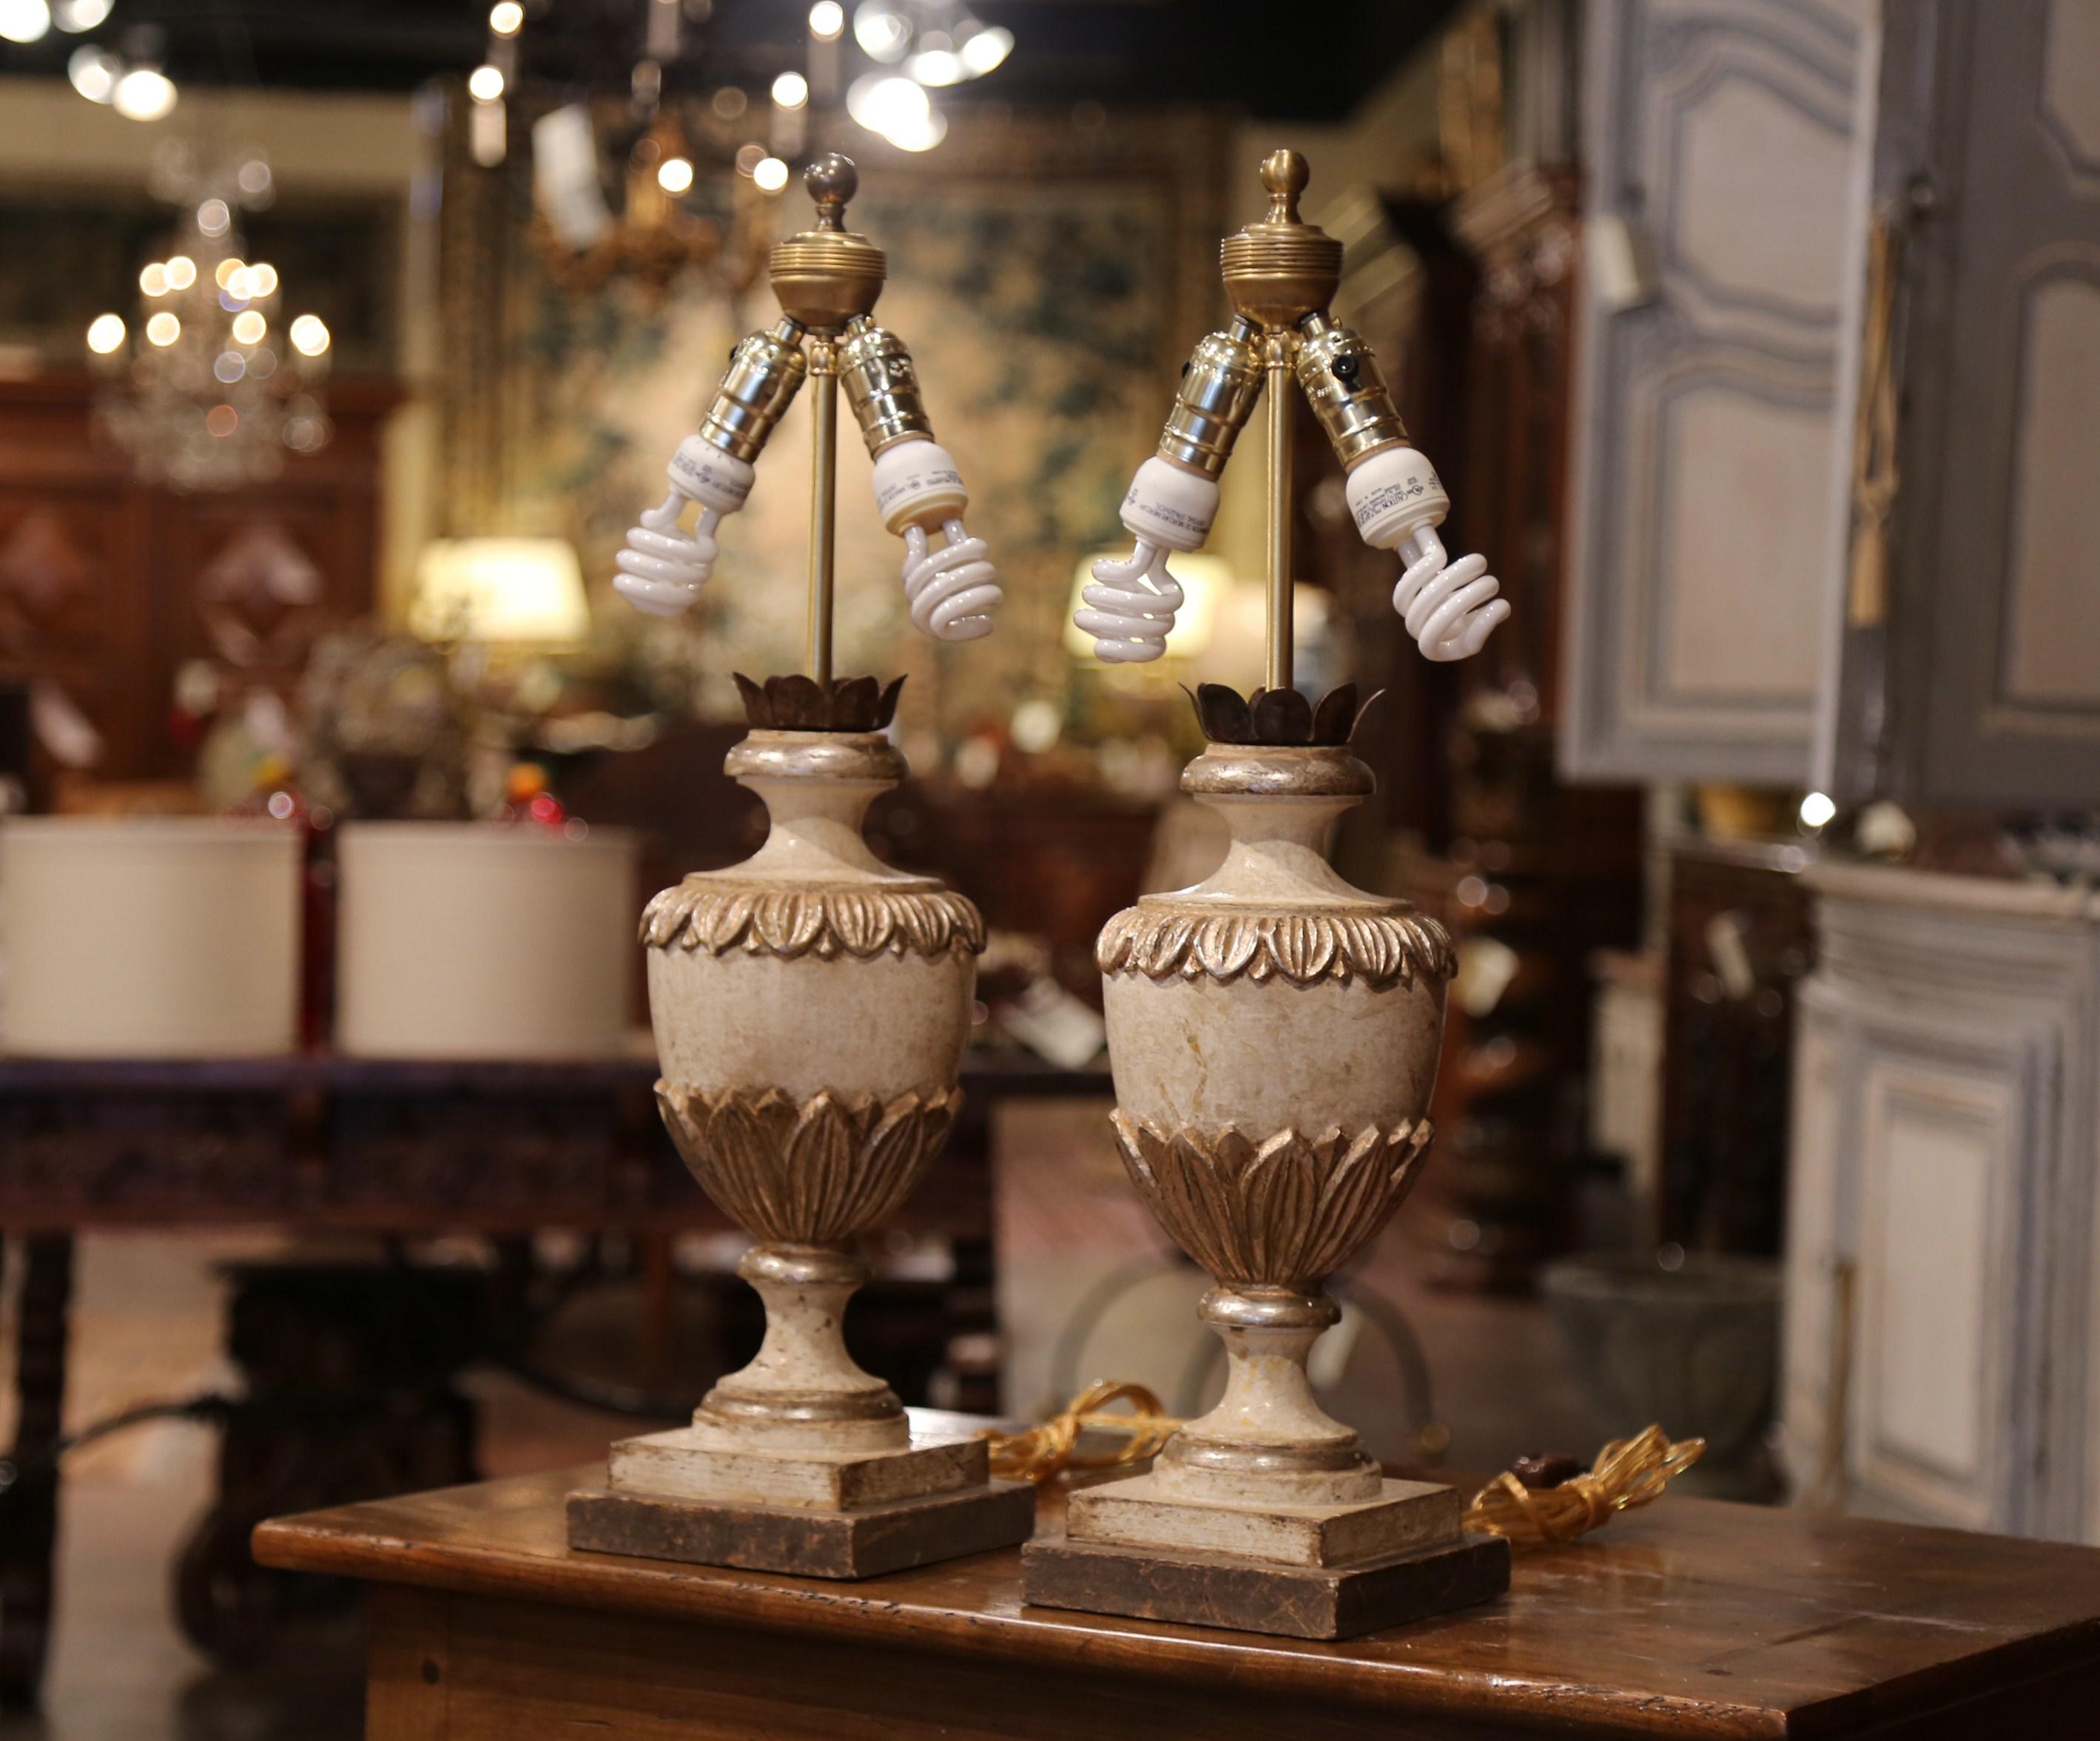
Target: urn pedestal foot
column 1165, row 1546
column 1264, row 1596
column 712, row 1497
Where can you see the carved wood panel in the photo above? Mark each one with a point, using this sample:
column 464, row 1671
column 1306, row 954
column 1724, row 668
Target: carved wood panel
column 1727, row 140
column 106, row 586
column 1995, row 655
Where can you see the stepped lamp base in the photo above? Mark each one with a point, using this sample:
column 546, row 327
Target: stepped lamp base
column 1300, row 1571
column 696, row 1495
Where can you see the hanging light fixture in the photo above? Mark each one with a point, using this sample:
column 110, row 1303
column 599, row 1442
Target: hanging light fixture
column 213, row 392
column 918, row 45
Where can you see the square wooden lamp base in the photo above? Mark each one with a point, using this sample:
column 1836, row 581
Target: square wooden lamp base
column 688, row 1496
column 1298, row 1572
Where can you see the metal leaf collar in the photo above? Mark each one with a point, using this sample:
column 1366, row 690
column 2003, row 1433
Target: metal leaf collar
column 1379, row 950
column 717, row 916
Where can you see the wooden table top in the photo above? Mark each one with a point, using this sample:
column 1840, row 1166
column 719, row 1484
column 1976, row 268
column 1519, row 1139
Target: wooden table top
column 1693, row 1618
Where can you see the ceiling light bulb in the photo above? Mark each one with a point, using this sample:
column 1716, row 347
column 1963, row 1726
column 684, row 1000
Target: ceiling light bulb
column 937, row 66
column 214, row 217
column 143, row 94
column 153, row 278
column 309, row 337
column 94, row 73
column 105, row 333
column 74, row 17
column 222, row 275
column 882, row 33
column 25, row 20
column 675, row 174
column 505, row 16
column 164, row 329
column 248, row 327
column 181, row 272
column 255, row 178
column 885, row 104
column 921, row 134
column 987, row 49
column 771, row 174
column 1817, row 809
column 485, row 83
column 827, row 19
column 261, row 280
column 790, row 90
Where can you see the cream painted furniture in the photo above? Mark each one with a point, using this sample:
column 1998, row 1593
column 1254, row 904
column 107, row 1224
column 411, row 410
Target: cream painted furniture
column 1941, row 1302
column 149, row 937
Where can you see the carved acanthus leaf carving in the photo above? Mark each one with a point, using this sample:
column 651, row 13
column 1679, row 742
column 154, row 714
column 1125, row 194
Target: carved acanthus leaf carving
column 1280, row 1211
column 815, row 1172
column 716, row 916
column 1379, row 950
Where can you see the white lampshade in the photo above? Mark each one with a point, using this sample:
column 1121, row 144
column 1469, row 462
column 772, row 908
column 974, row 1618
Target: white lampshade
column 1205, row 581
column 504, row 589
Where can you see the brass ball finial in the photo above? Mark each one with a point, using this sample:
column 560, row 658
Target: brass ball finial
column 1282, row 269
column 1284, row 173
column 831, row 180
column 826, row 276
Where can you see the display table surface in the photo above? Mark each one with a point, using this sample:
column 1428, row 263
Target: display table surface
column 1694, row 1618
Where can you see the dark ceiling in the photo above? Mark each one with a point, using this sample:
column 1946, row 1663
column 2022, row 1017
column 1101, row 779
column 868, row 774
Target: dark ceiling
column 1312, row 62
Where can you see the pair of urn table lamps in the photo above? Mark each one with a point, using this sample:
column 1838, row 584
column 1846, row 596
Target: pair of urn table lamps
column 1273, row 1031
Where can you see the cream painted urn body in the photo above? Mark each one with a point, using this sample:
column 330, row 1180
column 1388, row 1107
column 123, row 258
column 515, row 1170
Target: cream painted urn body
column 1274, row 1033
column 811, row 1006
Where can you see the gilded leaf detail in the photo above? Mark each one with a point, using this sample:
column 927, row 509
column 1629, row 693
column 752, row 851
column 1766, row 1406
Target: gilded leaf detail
column 710, row 914
column 1282, row 1212
column 1377, row 949
column 816, row 1173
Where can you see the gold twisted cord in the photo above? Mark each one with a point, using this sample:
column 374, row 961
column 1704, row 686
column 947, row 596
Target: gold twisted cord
column 1628, row 1474
column 1052, row 1447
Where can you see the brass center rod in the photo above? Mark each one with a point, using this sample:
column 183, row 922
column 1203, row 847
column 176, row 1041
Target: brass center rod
column 1280, row 649
column 823, row 476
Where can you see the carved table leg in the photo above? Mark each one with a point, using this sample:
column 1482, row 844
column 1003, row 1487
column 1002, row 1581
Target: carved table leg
column 28, row 1509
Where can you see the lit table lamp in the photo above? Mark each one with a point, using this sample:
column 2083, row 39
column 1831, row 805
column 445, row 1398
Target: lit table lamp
column 511, row 591
column 1273, row 1032
column 811, row 1004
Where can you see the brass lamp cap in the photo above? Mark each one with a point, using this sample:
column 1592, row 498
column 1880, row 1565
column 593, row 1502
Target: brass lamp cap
column 1282, row 269
column 827, row 275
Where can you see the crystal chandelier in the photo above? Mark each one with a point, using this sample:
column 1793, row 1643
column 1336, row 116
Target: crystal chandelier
column 211, row 392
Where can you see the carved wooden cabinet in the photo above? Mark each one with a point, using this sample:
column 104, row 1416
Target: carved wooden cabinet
column 1942, row 1240
column 107, row 586
column 1841, row 364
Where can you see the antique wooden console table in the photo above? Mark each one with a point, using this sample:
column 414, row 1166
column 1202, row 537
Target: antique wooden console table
column 1693, row 1618
column 332, row 1144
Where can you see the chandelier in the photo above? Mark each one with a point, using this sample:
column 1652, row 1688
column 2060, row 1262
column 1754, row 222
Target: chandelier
column 211, row 392
column 660, row 149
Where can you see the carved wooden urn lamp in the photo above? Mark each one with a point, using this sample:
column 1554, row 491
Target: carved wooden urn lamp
column 1274, row 1031
column 811, row 1005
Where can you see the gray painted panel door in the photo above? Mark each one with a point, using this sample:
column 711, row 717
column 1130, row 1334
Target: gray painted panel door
column 1995, row 636
column 1731, row 139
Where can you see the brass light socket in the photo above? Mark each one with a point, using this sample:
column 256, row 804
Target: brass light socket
column 765, row 371
column 1219, row 384
column 1339, row 373
column 882, row 386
